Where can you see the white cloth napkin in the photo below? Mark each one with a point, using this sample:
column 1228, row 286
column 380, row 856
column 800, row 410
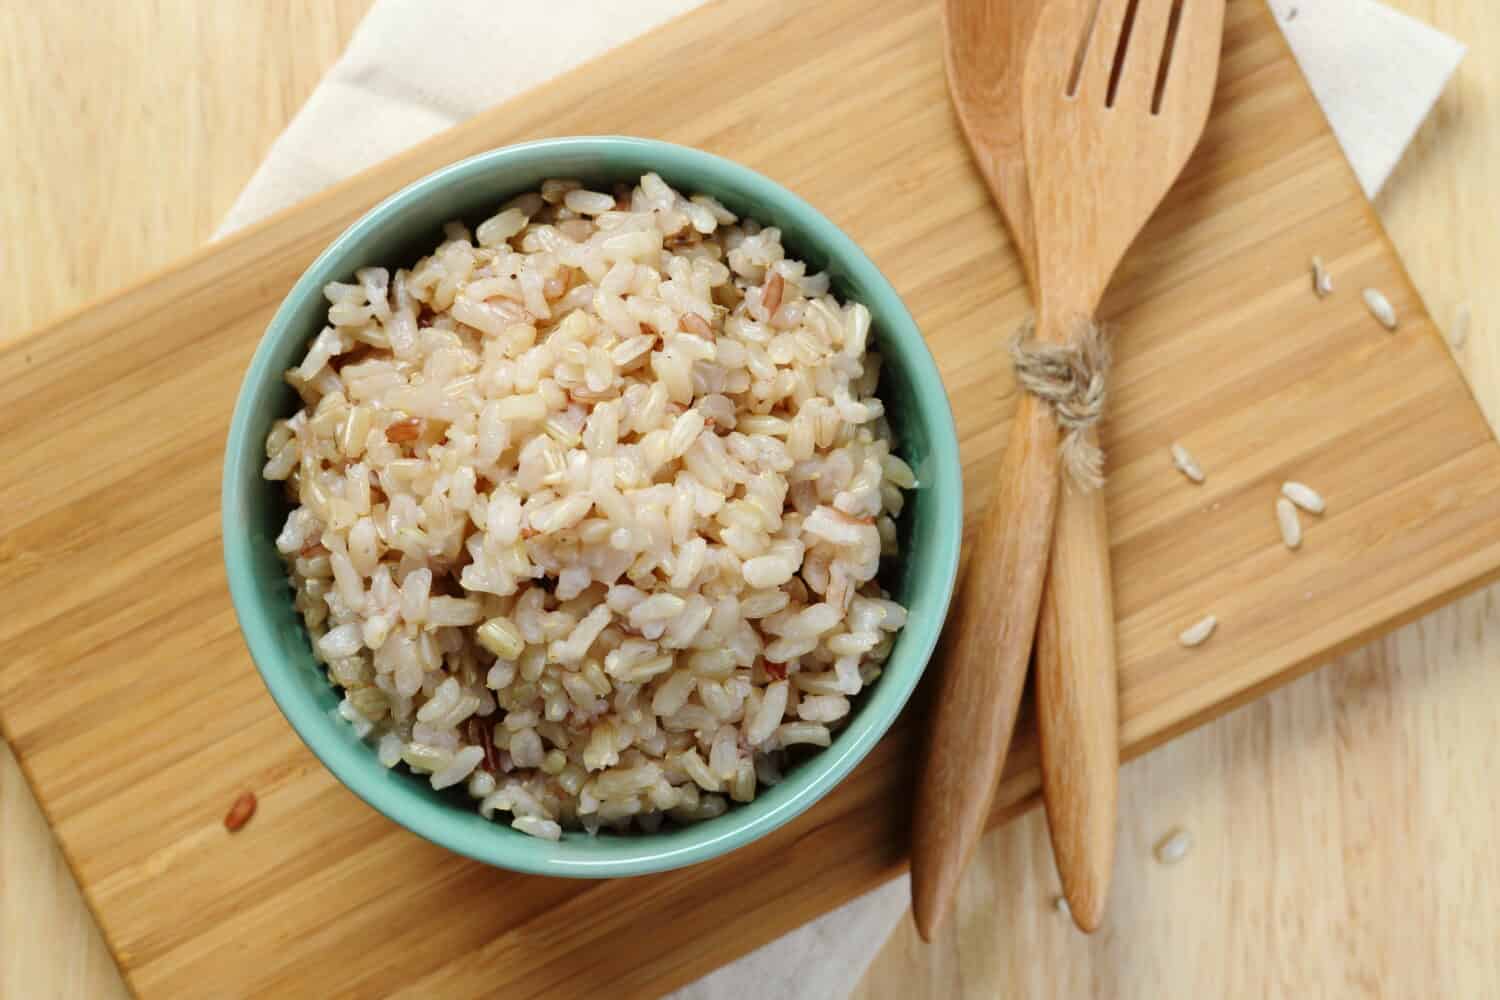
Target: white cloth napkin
column 1376, row 72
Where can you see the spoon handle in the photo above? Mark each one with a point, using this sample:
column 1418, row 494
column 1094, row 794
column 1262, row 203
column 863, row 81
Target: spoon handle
column 987, row 647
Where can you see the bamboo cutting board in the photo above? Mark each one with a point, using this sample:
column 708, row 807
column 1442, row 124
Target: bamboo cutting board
column 133, row 707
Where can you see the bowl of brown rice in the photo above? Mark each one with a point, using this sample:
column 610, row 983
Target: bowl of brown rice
column 592, row 506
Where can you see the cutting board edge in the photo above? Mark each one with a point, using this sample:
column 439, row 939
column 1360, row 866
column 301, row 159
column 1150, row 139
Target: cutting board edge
column 1372, row 216
column 133, row 297
column 137, row 297
column 86, row 889
column 1300, row 668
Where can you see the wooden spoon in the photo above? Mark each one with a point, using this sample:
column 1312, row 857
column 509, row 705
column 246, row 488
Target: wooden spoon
column 1075, row 651
column 985, row 49
column 989, row 631
column 1103, row 145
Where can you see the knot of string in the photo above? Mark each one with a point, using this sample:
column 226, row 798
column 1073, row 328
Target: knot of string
column 1071, row 379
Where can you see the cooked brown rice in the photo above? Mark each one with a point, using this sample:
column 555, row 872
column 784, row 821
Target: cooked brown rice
column 588, row 507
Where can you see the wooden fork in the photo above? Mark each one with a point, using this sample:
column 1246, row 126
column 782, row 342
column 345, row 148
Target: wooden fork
column 1110, row 114
column 1076, row 681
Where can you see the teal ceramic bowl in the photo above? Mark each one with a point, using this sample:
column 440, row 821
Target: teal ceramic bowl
column 403, row 228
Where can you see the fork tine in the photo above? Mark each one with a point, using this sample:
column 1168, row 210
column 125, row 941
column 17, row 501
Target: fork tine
column 1143, row 56
column 1102, row 39
column 1194, row 55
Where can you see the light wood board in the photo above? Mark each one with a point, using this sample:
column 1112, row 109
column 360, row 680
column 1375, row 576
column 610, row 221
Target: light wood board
column 145, row 856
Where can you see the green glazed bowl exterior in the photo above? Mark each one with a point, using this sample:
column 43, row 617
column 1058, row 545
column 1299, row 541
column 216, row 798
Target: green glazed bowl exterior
column 403, row 228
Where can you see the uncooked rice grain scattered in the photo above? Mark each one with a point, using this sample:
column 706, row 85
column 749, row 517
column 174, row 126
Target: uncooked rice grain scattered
column 1304, row 496
column 1197, row 633
column 240, row 812
column 1289, row 523
column 1462, row 317
column 1380, row 307
column 1186, row 463
column 1174, row 846
column 587, row 509
column 1322, row 281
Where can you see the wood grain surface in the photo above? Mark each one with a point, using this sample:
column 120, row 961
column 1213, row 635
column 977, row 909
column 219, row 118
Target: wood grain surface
column 1307, row 809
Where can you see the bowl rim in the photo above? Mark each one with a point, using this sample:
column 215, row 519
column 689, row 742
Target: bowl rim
column 643, row 853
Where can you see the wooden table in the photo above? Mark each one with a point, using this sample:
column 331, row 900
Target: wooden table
column 1343, row 827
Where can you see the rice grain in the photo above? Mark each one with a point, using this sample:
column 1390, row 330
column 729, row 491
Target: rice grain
column 239, row 814
column 1322, row 281
column 1380, row 307
column 1289, row 523
column 1197, row 633
column 1304, row 496
column 588, row 507
column 1186, row 464
column 1462, row 318
column 1173, row 847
